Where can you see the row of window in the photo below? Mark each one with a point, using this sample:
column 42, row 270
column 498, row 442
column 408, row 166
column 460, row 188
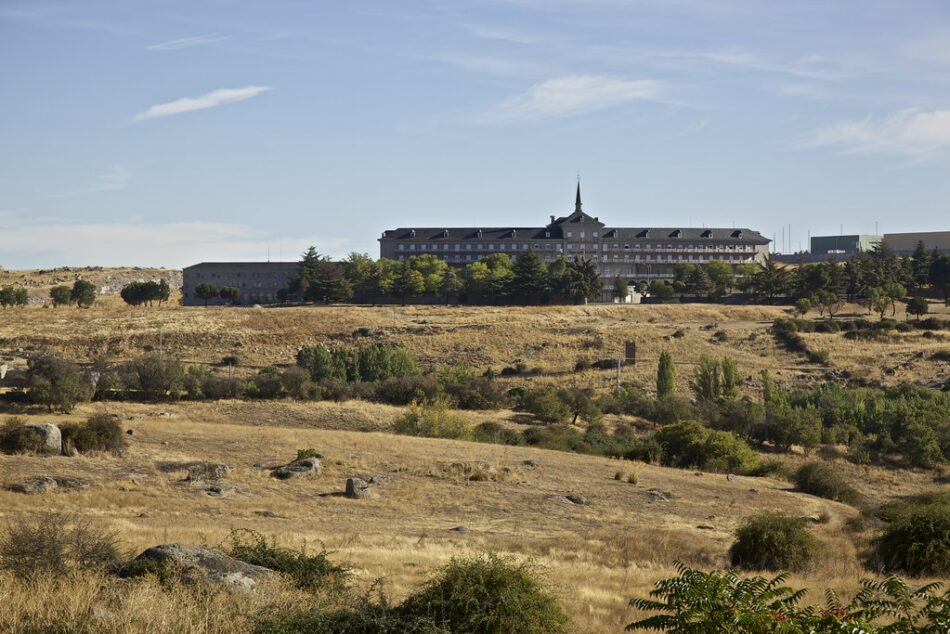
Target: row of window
column 735, row 259
column 217, row 276
column 547, row 246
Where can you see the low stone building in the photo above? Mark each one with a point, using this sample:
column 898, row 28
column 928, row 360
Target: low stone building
column 257, row 282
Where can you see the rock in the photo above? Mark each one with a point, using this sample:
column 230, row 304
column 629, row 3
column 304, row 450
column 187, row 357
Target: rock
column 460, row 529
column 302, row 468
column 356, row 488
column 45, row 484
column 266, row 513
column 49, row 439
column 813, row 519
column 753, row 491
column 577, row 499
column 220, row 490
column 530, row 463
column 207, row 472
column 731, row 477
column 706, row 527
column 197, row 564
column 659, row 495
column 71, row 451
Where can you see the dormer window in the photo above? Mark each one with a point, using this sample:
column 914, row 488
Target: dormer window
column 412, row 233
column 707, row 233
column 514, row 233
column 445, row 233
column 676, row 233
column 479, row 233
column 547, row 234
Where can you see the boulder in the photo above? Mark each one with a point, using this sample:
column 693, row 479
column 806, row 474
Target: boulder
column 197, row 564
column 302, row 468
column 530, row 462
column 45, row 484
column 577, row 499
column 659, row 495
column 48, row 437
column 356, row 488
column 207, row 472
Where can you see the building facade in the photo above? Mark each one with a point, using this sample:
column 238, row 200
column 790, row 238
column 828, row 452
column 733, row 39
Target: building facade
column 842, row 245
column 634, row 253
column 905, row 243
column 258, row 282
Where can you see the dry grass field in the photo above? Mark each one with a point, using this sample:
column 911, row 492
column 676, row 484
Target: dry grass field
column 595, row 556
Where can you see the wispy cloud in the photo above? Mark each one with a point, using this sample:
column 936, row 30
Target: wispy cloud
column 115, row 178
column 187, row 42
column 573, row 95
column 212, row 99
column 128, row 242
column 502, row 33
column 912, row 132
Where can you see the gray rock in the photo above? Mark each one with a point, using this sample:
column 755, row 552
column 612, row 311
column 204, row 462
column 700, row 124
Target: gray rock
column 356, row 488
column 71, row 451
column 49, row 439
column 220, row 490
column 812, row 519
column 302, row 468
column 659, row 495
column 577, row 499
column 460, row 529
column 530, row 463
column 731, row 477
column 207, row 472
column 706, row 527
column 46, row 484
column 197, row 564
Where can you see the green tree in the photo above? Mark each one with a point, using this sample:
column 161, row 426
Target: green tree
column 917, row 306
column 57, row 383
column 206, row 292
column 621, row 288
column 432, row 270
column 558, row 279
column 83, row 293
column 319, row 280
column 920, row 265
column 939, row 275
column 665, row 376
column 828, row 302
column 452, row 285
column 407, row 283
column 721, row 276
column 583, row 280
column 14, row 296
column 230, row 294
column 662, row 290
column 698, row 283
column 61, row 295
column 529, row 280
column 362, row 272
column 802, row 306
column 770, row 280
column 164, row 291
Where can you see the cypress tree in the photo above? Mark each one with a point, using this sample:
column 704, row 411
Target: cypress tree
column 665, row 376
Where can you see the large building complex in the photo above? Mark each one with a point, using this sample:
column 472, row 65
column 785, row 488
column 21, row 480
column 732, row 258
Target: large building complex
column 635, row 253
column 842, row 245
column 905, row 243
column 258, row 282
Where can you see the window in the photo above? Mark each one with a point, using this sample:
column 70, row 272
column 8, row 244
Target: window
column 480, row 246
column 594, row 234
column 570, row 234
column 412, row 247
column 582, row 235
column 402, row 247
column 468, row 247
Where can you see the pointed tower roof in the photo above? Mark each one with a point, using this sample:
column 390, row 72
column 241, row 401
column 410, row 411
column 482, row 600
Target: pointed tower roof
column 578, row 206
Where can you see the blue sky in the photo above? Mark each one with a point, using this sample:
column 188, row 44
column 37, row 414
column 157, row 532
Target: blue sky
column 169, row 132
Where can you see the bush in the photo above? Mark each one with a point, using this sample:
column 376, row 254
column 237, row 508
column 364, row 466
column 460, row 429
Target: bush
column 821, row 479
column 689, row 445
column 221, row 387
column 309, row 572
column 545, row 405
column 100, row 433
column 772, row 541
column 155, row 378
column 917, row 540
column 492, row 432
column 51, row 545
column 58, row 384
column 488, row 594
column 406, row 389
column 699, row 602
column 298, row 385
column 478, row 393
column 366, row 615
column 435, row 420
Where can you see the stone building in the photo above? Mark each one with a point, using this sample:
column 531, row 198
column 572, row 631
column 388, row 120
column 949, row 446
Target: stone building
column 258, row 282
column 634, row 253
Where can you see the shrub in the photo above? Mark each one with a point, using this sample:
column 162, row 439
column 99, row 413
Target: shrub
column 309, row 572
column 100, row 433
column 49, row 544
column 772, row 541
column 221, row 387
column 488, row 594
column 917, row 540
column 154, row 377
column 697, row 602
column 16, row 438
column 545, row 405
column 58, row 384
column 406, row 389
column 772, row 468
column 492, row 432
column 363, row 615
column 298, row 385
column 478, row 393
column 308, row 453
column 434, row 420
column 689, row 444
column 821, row 479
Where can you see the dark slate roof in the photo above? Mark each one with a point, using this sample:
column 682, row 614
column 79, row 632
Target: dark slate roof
column 556, row 232
column 235, row 264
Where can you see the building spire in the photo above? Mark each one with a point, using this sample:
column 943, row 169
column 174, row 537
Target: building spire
column 577, row 202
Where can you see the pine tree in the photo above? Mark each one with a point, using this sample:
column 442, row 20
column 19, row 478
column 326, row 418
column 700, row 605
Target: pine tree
column 451, row 285
column 621, row 288
column 920, row 264
column 583, row 280
column 529, row 282
column 665, row 376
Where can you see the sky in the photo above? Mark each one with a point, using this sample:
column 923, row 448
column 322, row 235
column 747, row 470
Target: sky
column 169, row 132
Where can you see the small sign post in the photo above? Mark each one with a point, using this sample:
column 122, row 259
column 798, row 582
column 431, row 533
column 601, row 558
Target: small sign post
column 630, row 352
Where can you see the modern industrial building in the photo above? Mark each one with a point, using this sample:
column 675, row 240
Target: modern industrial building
column 906, row 243
column 635, row 253
column 842, row 245
column 258, row 282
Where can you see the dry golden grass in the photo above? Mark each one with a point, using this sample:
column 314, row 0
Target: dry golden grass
column 596, row 556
